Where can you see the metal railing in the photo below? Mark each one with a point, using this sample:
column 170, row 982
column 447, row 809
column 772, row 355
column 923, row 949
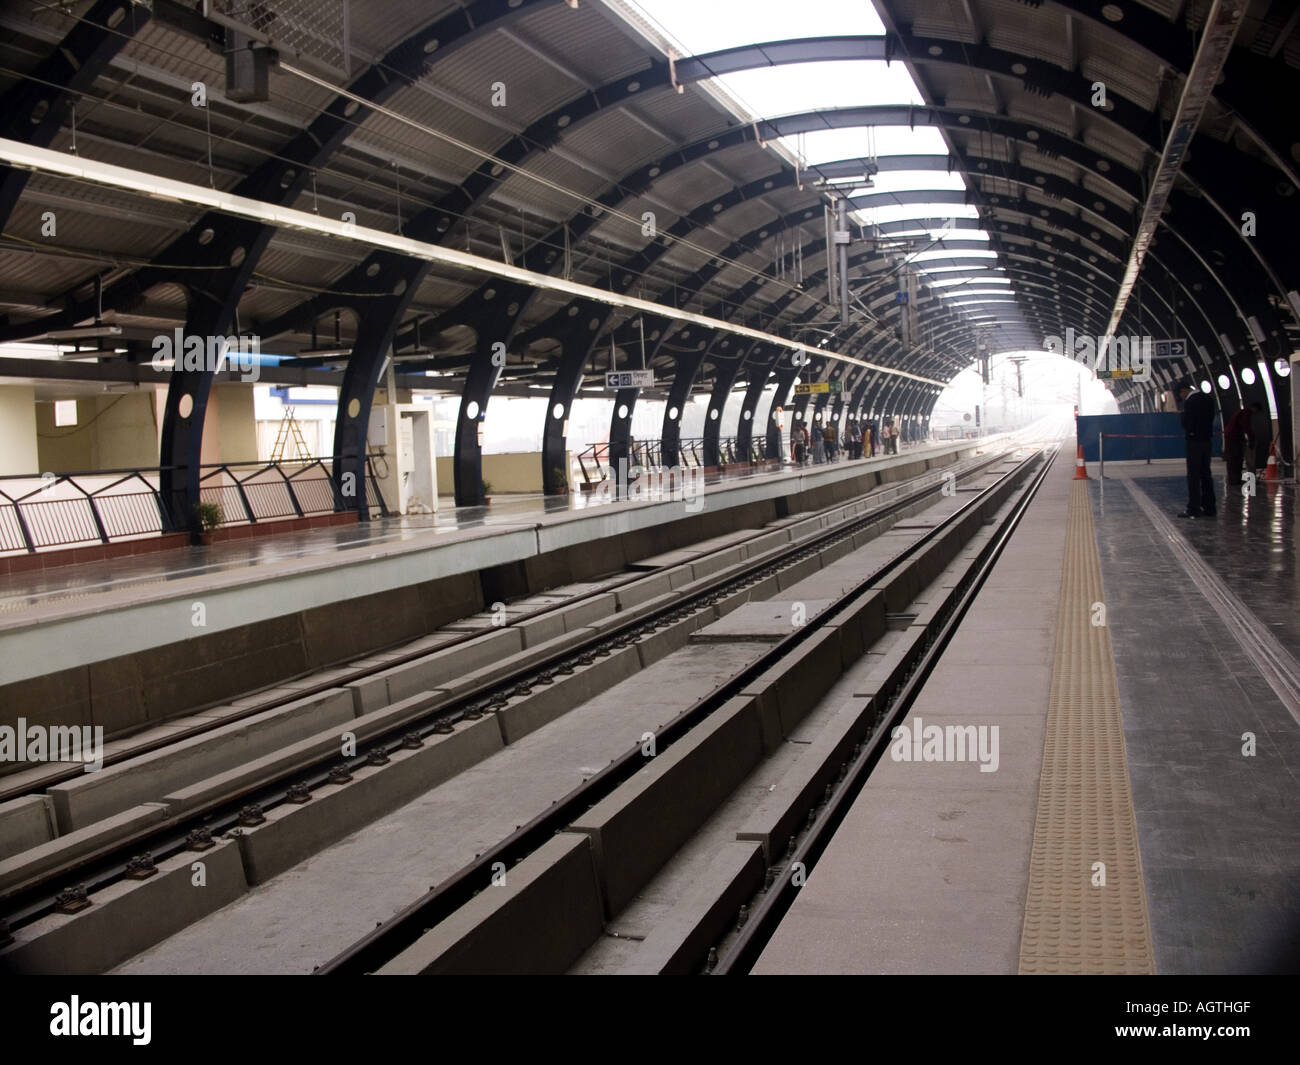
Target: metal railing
column 102, row 506
column 648, row 454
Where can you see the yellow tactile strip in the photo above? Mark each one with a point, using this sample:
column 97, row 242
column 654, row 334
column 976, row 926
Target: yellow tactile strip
column 1082, row 917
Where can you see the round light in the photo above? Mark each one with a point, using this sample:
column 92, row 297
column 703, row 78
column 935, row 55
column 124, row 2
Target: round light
column 1248, row 375
column 186, row 405
column 471, row 411
column 1205, row 387
column 354, row 407
column 557, row 412
column 713, row 414
column 747, row 414
column 1223, row 380
column 1282, row 368
column 622, row 410
column 673, row 412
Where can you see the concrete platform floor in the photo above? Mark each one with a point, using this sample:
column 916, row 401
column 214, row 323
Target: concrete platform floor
column 1219, row 830
column 929, row 871
column 927, row 874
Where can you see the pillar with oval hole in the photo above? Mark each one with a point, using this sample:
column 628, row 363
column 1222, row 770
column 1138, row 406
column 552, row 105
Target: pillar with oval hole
column 762, row 359
column 225, row 250
column 727, row 362
column 689, row 349
column 369, row 356
column 494, row 323
column 778, row 412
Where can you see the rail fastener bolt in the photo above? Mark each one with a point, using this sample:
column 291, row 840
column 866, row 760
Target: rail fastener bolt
column 298, row 794
column 199, row 839
column 71, row 900
column 141, row 867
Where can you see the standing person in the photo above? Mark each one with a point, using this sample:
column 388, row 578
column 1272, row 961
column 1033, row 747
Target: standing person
column 1235, row 435
column 819, row 446
column 799, row 442
column 1261, row 433
column 855, row 441
column 1198, row 429
column 829, row 434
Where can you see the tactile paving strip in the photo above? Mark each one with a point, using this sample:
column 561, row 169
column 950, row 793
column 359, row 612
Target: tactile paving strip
column 1082, row 917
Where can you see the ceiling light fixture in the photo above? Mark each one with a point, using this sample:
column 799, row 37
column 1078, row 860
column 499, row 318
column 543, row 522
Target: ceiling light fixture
column 44, row 160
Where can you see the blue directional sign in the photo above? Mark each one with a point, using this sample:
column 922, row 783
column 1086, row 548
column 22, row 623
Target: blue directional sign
column 1170, row 349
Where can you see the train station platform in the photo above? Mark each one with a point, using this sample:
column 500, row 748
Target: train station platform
column 130, row 643
column 1139, row 812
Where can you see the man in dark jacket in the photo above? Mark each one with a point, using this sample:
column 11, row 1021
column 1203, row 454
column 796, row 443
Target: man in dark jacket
column 1198, row 429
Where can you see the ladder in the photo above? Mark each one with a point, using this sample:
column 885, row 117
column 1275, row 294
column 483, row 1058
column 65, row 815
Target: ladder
column 289, row 434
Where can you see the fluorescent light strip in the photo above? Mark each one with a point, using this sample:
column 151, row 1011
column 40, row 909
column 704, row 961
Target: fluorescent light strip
column 1216, row 42
column 46, row 161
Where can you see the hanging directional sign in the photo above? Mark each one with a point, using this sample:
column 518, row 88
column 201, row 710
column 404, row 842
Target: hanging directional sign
column 630, row 379
column 820, row 388
column 1170, row 349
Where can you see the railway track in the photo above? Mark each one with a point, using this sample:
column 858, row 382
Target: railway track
column 247, row 804
column 470, row 924
column 332, row 678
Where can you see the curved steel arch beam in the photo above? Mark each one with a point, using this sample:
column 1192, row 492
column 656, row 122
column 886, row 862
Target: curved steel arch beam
column 280, row 182
column 33, row 109
column 1251, row 84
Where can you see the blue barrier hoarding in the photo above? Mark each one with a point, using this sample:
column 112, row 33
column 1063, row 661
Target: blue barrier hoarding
column 1136, row 437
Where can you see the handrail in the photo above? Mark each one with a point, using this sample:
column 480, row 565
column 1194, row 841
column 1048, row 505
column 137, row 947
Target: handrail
column 62, row 511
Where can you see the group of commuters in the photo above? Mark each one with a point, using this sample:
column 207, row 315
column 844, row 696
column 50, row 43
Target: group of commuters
column 819, row 444
column 1249, row 427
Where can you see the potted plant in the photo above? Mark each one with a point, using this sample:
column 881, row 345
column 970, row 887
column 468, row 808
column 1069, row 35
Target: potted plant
column 487, row 492
column 560, row 480
column 209, row 516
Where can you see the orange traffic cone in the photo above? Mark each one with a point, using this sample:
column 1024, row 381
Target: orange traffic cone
column 1270, row 471
column 1080, row 471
